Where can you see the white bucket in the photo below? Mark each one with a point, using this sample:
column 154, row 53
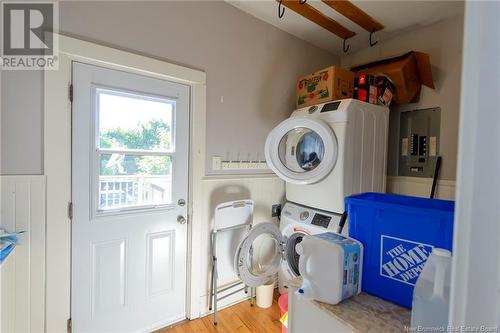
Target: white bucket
column 265, row 295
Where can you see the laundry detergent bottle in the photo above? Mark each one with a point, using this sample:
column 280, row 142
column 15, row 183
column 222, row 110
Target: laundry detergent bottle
column 431, row 296
column 330, row 265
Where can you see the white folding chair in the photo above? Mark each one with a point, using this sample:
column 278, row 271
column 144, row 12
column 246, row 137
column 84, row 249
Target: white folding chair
column 232, row 221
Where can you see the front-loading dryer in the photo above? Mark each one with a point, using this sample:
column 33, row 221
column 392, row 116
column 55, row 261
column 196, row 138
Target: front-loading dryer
column 328, row 151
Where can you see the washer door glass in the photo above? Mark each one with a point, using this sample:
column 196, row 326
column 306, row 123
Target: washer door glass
column 302, row 150
column 259, row 256
column 292, row 257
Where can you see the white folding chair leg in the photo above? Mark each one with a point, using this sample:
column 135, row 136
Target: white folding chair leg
column 252, row 296
column 215, row 294
column 211, row 294
column 214, row 276
column 226, row 291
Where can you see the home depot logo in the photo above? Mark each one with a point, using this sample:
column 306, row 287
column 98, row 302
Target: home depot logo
column 401, row 259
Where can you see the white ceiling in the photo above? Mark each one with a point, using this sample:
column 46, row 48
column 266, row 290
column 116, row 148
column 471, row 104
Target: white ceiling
column 396, row 16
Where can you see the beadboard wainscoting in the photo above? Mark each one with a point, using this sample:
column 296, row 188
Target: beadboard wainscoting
column 23, row 208
column 263, row 190
column 421, row 187
column 22, row 274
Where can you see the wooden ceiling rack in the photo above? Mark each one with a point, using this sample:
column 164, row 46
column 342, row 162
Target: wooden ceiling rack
column 314, row 15
column 344, row 7
column 355, row 14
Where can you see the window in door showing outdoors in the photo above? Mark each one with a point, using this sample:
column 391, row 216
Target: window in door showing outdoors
column 134, row 150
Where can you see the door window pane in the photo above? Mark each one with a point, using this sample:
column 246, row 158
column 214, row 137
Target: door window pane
column 133, row 121
column 301, row 150
column 134, row 180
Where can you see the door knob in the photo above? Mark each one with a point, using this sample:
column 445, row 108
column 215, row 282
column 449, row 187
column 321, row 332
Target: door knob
column 181, row 219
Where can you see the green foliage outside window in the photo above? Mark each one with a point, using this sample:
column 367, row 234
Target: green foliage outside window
column 153, row 135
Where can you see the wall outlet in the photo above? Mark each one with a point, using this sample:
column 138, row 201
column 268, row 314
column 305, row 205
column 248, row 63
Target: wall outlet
column 276, row 210
column 216, row 162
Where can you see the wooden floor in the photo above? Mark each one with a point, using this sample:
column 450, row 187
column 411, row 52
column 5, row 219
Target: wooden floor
column 237, row 318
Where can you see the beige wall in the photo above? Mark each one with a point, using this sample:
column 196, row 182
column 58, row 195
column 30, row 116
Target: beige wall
column 443, row 42
column 21, row 118
column 251, row 70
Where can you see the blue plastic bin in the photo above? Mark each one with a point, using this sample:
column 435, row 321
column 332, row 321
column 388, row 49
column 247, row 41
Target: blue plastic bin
column 398, row 233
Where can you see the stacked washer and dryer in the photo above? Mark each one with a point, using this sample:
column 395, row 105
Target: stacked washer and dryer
column 324, row 153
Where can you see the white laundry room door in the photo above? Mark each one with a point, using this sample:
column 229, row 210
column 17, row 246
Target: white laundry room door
column 129, row 189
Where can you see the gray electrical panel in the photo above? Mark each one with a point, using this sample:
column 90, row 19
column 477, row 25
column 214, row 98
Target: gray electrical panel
column 419, row 142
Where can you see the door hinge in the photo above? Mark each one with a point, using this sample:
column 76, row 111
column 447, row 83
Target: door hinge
column 68, row 326
column 70, row 210
column 70, row 93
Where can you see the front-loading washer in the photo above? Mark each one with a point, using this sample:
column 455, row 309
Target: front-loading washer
column 297, row 221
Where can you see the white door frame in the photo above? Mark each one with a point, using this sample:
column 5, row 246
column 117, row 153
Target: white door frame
column 475, row 294
column 57, row 165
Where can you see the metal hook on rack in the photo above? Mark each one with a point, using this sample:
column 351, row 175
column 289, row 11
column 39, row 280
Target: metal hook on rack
column 372, row 43
column 302, row 1
column 346, row 49
column 281, row 11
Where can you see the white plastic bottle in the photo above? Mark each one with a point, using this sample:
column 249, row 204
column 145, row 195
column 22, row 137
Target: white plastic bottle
column 431, row 296
column 331, row 267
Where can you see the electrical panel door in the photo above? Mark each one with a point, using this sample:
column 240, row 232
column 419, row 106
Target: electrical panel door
column 419, row 142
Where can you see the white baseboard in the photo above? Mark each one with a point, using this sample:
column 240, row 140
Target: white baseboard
column 420, row 187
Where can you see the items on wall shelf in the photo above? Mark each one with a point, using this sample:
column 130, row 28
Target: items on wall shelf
column 219, row 164
column 408, row 72
column 244, row 165
column 374, row 89
column 395, row 80
column 329, row 84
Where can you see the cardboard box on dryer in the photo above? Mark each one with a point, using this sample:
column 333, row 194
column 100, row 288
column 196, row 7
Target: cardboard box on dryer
column 408, row 72
column 331, row 83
